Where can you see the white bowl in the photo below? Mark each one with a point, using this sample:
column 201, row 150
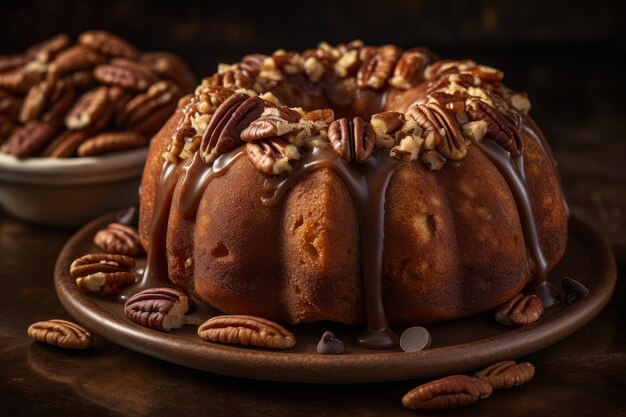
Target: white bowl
column 67, row 192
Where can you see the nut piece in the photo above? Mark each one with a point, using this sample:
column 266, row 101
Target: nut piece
column 158, row 308
column 387, row 122
column 88, row 109
column 501, row 128
column 231, row 118
column 506, row 374
column 170, row 66
column 103, row 273
column 277, row 121
column 320, row 115
column 107, row 142
column 445, row 393
column 45, row 51
column 125, row 73
column 246, row 330
column 441, row 129
column 376, row 68
column 408, row 71
column 76, row 58
column 61, row 333
column 28, row 139
column 352, row 141
column 65, row 144
column 574, row 290
column 120, row 239
column 330, row 345
column 520, row 310
column 272, row 156
column 107, row 43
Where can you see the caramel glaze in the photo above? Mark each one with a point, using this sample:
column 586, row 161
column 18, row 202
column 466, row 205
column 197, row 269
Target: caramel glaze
column 367, row 184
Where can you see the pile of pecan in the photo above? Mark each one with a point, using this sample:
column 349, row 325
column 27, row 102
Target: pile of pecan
column 98, row 95
column 243, row 104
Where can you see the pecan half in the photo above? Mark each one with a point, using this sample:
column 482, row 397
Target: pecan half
column 108, row 43
column 158, row 308
column 449, row 392
column 29, row 139
column 6, row 128
column 573, row 289
column 230, row 119
column 107, row 142
column 88, row 109
column 65, row 144
column 441, row 129
column 376, row 68
column 103, row 273
column 272, row 156
column 246, row 330
column 20, row 80
column 409, row 69
column 45, row 51
column 9, row 62
column 520, row 310
column 320, row 115
column 10, row 105
column 501, row 128
column 352, row 141
column 47, row 101
column 276, row 121
column 78, row 57
column 61, row 333
column 487, row 74
column 119, row 238
column 172, row 67
column 125, row 73
column 147, row 112
column 35, row 101
column 447, row 66
column 82, row 80
column 506, row 374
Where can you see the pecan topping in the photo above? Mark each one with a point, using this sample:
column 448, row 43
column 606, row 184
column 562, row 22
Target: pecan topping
column 158, row 308
column 352, row 141
column 78, row 57
column 107, row 142
column 574, row 290
column 487, row 74
column 314, row 69
column 125, row 73
column 272, row 156
column 324, row 115
column 102, row 273
column 108, row 44
column 247, row 330
column 449, row 392
column 61, row 333
column 251, row 64
column 506, row 374
column 120, row 239
column 29, row 139
column 276, row 121
column 348, row 64
column 447, row 66
column 441, row 129
column 376, row 68
column 408, row 71
column 88, row 109
column 520, row 310
column 230, row 119
column 501, row 128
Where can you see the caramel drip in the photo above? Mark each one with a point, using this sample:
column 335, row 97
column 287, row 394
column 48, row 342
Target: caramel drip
column 367, row 184
column 197, row 175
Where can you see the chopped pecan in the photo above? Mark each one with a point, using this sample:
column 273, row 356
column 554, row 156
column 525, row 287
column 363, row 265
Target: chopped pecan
column 125, row 73
column 103, row 273
column 445, row 393
column 120, row 239
column 246, row 330
column 108, row 43
column 441, row 129
column 487, row 74
column 107, row 142
column 387, row 122
column 314, row 69
column 230, row 119
column 409, row 69
column 76, row 58
column 88, row 109
column 376, row 68
column 272, row 156
column 320, row 115
column 172, row 67
column 432, row 159
column 506, row 374
column 447, row 66
column 61, row 333
column 352, row 141
column 348, row 64
column 573, row 289
column 45, row 51
column 158, row 308
column 29, row 139
column 520, row 310
column 501, row 128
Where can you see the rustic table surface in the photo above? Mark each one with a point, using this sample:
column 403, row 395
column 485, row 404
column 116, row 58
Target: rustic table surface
column 584, row 374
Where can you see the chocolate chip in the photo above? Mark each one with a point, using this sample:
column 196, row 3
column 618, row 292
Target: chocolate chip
column 415, row 339
column 574, row 290
column 330, row 345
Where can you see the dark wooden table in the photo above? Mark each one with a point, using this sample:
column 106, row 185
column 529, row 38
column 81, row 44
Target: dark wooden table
column 582, row 375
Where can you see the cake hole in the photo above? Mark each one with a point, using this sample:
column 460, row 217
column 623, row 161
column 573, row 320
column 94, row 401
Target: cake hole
column 298, row 223
column 220, row 250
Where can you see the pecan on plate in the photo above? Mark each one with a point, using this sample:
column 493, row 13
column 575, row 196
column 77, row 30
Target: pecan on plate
column 20, row 80
column 158, row 308
column 76, row 58
column 352, row 141
column 103, row 273
column 246, row 330
column 65, row 144
column 376, row 68
column 107, row 142
column 230, row 119
column 125, row 73
column 520, row 310
column 120, row 239
column 29, row 139
column 272, row 156
column 506, row 374
column 61, row 333
column 47, row 101
column 320, row 115
column 447, row 66
column 501, row 127
column 108, row 43
column 89, row 109
column 449, row 392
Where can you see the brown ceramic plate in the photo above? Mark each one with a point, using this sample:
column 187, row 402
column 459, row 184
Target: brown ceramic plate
column 457, row 346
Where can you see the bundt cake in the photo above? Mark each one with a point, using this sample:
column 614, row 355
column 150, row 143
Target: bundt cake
column 364, row 185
